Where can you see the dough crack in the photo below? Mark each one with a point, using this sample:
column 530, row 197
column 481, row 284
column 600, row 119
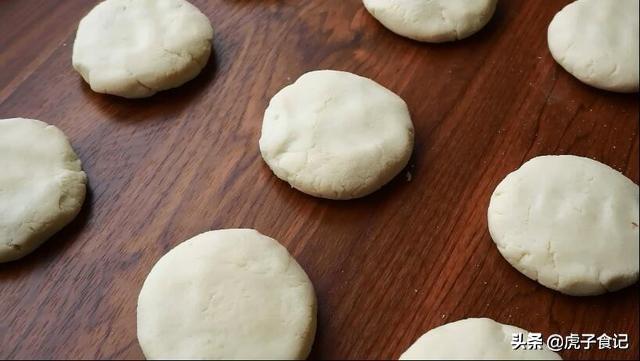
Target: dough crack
column 14, row 246
column 143, row 85
column 554, row 263
column 185, row 55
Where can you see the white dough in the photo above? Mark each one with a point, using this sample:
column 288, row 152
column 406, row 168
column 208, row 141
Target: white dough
column 570, row 223
column 473, row 339
column 597, row 42
column 135, row 48
column 433, row 21
column 42, row 185
column 227, row 294
column 336, row 135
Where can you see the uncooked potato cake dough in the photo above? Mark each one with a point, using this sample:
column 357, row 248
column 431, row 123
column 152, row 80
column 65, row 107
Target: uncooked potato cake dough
column 473, row 339
column 42, row 185
column 336, row 135
column 598, row 42
column 433, row 21
column 135, row 48
column 571, row 223
column 227, row 294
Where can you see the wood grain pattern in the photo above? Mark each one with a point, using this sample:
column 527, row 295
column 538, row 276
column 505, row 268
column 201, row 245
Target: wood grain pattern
column 386, row 268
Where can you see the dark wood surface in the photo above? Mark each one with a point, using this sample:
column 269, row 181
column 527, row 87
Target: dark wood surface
column 386, row 268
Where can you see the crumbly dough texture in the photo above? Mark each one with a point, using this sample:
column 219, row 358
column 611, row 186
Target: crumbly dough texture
column 135, row 48
column 42, row 185
column 336, row 135
column 227, row 294
column 473, row 339
column 433, row 21
column 571, row 223
column 597, row 42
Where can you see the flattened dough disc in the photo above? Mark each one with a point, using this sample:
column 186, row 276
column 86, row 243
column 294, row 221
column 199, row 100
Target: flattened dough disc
column 571, row 223
column 597, row 42
column 227, row 294
column 336, row 135
column 42, row 185
column 136, row 48
column 433, row 21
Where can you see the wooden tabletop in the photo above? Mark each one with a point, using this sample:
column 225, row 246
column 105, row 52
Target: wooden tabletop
column 386, row 268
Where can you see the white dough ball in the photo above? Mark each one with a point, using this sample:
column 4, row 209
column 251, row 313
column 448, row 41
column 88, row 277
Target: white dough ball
column 568, row 222
column 433, row 21
column 42, row 185
column 597, row 41
column 136, row 48
column 227, row 294
column 336, row 135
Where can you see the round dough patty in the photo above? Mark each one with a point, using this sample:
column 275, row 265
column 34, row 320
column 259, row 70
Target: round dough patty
column 227, row 294
column 473, row 339
column 597, row 42
column 336, row 135
column 570, row 223
column 42, row 185
column 135, row 48
column 434, row 21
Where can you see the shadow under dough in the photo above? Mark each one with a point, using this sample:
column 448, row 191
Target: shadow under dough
column 166, row 102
